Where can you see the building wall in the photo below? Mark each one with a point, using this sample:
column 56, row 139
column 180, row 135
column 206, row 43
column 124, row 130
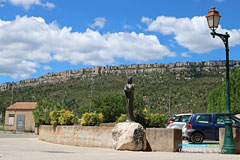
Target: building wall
column 29, row 121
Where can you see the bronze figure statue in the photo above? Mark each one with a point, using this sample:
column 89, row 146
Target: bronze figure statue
column 129, row 92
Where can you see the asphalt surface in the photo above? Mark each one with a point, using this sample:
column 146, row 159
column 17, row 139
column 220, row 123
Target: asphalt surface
column 28, row 147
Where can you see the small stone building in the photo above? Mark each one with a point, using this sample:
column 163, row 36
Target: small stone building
column 19, row 117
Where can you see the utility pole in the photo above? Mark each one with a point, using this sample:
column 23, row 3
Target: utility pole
column 169, row 103
column 90, row 105
column 12, row 96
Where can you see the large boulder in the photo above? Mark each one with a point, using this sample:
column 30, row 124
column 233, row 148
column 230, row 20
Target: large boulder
column 129, row 136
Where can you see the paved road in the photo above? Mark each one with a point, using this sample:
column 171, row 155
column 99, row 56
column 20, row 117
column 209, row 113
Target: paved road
column 28, row 147
column 205, row 147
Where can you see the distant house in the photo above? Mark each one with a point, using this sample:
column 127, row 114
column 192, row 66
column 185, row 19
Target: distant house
column 19, row 117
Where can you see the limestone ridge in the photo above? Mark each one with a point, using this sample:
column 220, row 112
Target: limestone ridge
column 82, row 73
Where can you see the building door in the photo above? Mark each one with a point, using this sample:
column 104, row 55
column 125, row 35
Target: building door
column 20, row 122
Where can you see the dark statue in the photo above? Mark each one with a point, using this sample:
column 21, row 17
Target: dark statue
column 129, row 92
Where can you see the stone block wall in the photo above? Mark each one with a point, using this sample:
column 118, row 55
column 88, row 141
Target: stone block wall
column 85, row 136
column 159, row 139
column 164, row 139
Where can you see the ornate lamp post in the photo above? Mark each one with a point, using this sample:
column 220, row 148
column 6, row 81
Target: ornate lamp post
column 229, row 147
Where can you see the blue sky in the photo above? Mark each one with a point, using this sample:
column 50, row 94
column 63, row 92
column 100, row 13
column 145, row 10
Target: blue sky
column 42, row 36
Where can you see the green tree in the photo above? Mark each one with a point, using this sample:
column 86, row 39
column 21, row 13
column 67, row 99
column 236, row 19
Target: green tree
column 111, row 106
column 217, row 98
column 42, row 110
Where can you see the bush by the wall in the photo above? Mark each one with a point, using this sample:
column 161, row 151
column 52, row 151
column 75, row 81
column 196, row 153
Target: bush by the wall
column 155, row 120
column 42, row 110
column 62, row 117
column 111, row 106
column 146, row 119
column 122, row 118
column 91, row 119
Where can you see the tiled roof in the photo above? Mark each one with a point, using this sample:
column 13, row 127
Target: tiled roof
column 23, row 106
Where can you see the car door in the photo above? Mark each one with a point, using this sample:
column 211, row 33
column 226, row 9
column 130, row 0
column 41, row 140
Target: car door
column 219, row 123
column 204, row 124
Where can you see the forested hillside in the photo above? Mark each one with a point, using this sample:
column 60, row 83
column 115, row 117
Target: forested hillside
column 182, row 87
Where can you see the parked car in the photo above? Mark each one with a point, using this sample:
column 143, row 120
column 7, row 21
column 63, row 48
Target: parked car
column 202, row 126
column 179, row 121
column 178, row 118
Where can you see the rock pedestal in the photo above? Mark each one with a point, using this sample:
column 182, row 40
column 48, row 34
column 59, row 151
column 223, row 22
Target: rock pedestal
column 129, row 136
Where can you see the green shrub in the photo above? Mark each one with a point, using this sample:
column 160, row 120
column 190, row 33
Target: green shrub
column 111, row 106
column 54, row 118
column 146, row 119
column 155, row 120
column 91, row 119
column 42, row 111
column 62, row 117
column 140, row 117
column 66, row 117
column 122, row 118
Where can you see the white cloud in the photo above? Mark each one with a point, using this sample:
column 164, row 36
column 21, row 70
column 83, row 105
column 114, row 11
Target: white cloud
column 99, row 22
column 193, row 34
column 28, row 3
column 146, row 20
column 28, row 41
column 46, row 67
column 48, row 4
column 185, row 54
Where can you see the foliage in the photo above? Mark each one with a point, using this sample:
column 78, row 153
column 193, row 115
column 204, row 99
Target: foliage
column 66, row 117
column 140, row 116
column 61, row 117
column 217, row 98
column 155, row 120
column 42, row 110
column 146, row 119
column 111, row 106
column 183, row 90
column 91, row 119
column 122, row 118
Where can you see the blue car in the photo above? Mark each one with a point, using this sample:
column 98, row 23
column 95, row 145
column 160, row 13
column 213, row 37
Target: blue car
column 202, row 126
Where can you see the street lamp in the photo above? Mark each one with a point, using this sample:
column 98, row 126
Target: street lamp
column 213, row 19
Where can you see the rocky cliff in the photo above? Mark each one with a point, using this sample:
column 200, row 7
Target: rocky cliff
column 52, row 78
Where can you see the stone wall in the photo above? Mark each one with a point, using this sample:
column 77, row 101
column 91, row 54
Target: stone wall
column 236, row 138
column 159, row 139
column 164, row 139
column 85, row 136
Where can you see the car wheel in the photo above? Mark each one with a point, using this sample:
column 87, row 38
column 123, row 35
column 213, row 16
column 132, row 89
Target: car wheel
column 197, row 138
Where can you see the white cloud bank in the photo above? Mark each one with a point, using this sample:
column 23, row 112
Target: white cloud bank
column 193, row 34
column 99, row 22
column 28, row 41
column 28, row 3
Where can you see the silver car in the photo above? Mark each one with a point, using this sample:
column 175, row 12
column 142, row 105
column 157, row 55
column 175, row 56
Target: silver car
column 179, row 121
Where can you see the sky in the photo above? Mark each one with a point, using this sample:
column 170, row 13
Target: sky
column 44, row 36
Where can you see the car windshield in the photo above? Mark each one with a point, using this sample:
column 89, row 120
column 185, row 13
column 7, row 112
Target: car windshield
column 185, row 118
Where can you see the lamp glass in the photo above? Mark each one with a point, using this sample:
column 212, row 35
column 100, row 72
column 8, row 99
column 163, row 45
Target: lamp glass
column 210, row 21
column 216, row 21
